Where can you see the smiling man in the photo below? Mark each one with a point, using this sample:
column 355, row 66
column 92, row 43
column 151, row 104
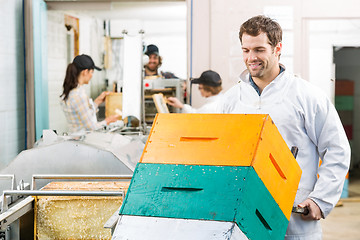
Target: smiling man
column 155, row 60
column 303, row 115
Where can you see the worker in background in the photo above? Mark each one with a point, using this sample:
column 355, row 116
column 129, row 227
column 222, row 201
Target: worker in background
column 79, row 109
column 155, row 61
column 209, row 87
column 304, row 116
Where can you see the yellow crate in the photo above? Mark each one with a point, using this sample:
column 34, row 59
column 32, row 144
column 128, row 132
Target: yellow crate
column 227, row 140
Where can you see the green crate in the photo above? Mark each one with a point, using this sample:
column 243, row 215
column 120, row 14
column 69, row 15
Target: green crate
column 220, row 193
column 344, row 102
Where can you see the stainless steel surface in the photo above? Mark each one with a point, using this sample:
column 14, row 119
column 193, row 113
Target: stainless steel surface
column 15, row 212
column 168, row 87
column 10, row 177
column 77, row 157
column 111, row 223
column 57, row 193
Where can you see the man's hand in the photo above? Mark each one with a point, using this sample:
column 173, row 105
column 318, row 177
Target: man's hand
column 314, row 210
column 174, row 102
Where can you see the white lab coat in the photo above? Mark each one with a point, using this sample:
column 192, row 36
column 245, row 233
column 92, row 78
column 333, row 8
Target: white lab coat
column 307, row 119
column 210, row 105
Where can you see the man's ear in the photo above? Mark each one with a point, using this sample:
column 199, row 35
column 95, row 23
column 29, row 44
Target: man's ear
column 278, row 49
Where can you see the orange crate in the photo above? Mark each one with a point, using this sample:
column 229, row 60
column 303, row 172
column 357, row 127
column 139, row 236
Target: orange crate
column 344, row 87
column 227, row 140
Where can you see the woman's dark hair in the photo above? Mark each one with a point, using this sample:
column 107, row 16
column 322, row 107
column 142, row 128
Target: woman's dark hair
column 71, row 80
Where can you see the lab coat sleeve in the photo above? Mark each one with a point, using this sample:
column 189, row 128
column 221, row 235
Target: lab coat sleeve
column 188, row 109
column 324, row 127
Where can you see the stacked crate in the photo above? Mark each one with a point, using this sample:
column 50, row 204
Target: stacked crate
column 231, row 173
column 344, row 104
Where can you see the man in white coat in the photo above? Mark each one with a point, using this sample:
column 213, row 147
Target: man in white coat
column 303, row 115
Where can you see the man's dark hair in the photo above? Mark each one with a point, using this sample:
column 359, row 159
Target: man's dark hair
column 214, row 90
column 261, row 24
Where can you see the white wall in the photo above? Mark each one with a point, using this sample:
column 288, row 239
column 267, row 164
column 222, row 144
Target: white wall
column 312, row 28
column 57, row 63
column 348, row 67
column 216, row 25
column 164, row 25
column 12, row 98
column 90, row 43
column 215, row 36
column 324, row 34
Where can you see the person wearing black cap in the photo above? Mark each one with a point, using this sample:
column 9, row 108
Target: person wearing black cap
column 155, row 61
column 79, row 109
column 210, row 88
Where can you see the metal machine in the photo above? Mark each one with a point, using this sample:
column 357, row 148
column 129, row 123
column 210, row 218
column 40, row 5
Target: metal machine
column 94, row 156
column 168, row 87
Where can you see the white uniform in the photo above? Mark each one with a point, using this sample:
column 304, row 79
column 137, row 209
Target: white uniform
column 307, row 119
column 210, row 106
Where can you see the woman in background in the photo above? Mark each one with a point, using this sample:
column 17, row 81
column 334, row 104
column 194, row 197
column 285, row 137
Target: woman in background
column 79, row 109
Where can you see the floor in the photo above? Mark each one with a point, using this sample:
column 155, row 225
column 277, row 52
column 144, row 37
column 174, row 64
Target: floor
column 344, row 221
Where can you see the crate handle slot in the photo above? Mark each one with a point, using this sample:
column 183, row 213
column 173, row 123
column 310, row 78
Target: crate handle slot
column 277, row 167
column 263, row 221
column 180, row 189
column 199, row 139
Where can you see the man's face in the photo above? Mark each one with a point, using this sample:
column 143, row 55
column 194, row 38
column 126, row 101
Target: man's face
column 261, row 59
column 153, row 62
column 203, row 92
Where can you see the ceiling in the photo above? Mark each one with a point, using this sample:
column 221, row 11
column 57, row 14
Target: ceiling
column 120, row 9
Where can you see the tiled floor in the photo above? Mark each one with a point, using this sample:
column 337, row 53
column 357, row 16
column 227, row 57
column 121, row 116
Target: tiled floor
column 344, row 221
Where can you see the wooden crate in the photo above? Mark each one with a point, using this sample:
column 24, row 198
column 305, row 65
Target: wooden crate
column 218, row 193
column 227, row 140
column 346, row 117
column 344, row 87
column 344, row 103
column 113, row 101
column 58, row 217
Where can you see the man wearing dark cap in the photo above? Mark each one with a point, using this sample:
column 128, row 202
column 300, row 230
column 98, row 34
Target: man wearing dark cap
column 210, row 88
column 155, row 61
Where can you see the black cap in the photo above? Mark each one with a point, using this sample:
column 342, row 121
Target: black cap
column 152, row 49
column 209, row 78
column 85, row 62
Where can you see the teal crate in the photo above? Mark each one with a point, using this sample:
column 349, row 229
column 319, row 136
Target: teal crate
column 232, row 194
column 344, row 102
column 345, row 191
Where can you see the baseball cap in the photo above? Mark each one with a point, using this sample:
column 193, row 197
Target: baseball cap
column 209, row 78
column 152, row 49
column 85, row 62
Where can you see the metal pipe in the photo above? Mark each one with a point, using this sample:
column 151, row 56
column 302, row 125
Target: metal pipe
column 57, row 193
column 9, row 176
column 77, row 177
